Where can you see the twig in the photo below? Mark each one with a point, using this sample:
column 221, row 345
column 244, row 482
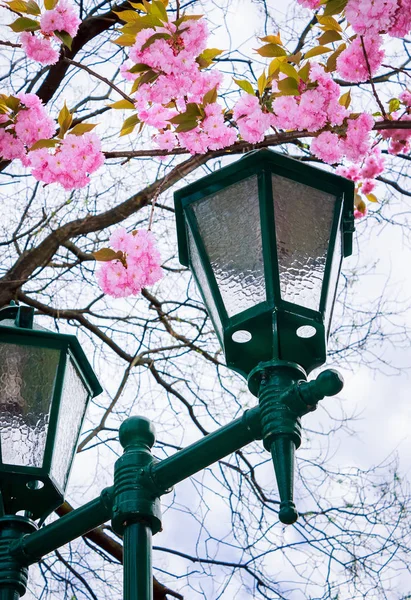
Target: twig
column 10, row 44
column 94, row 74
column 374, row 91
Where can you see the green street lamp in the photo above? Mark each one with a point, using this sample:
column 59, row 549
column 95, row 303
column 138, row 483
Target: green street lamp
column 46, row 382
column 264, row 238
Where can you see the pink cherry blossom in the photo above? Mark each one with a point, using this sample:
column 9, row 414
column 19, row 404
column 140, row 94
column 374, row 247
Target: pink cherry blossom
column 357, row 141
column 10, row 146
column 368, row 186
column 350, row 172
column 373, row 164
column 405, row 98
column 39, row 49
column 140, row 266
column 166, row 140
column 369, row 17
column 70, row 164
column 352, row 65
column 401, row 24
column 327, row 147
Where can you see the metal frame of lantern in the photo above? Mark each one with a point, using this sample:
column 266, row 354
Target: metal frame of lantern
column 133, row 502
column 275, row 314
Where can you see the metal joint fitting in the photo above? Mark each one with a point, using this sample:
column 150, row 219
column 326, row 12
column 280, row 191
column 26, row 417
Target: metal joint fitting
column 13, row 571
column 135, row 496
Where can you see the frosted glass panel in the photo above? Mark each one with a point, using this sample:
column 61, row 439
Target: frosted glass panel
column 27, row 377
column 72, row 408
column 229, row 224
column 202, row 280
column 303, row 221
column 335, row 270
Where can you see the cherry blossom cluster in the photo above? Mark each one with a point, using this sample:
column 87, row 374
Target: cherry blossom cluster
column 314, row 108
column 30, row 125
column 137, row 265
column 68, row 161
column 179, row 82
column 71, row 162
column 44, row 46
column 361, row 60
column 370, row 17
column 354, row 144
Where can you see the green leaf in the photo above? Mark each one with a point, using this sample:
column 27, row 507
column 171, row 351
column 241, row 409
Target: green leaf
column 329, row 23
column 394, row 104
column 153, row 38
column 107, row 254
column 12, row 102
column 125, row 40
column 206, row 58
column 129, row 125
column 271, row 50
column 262, row 83
column 44, row 144
column 288, row 87
column 304, row 73
column 139, row 68
column 128, row 16
column 272, row 39
column 317, row 51
column 122, row 104
column 192, row 112
column 24, row 24
column 18, row 6
column 332, row 59
column 65, row 38
column 81, row 128
column 147, row 77
column 187, row 125
column 158, row 10
column 33, row 8
column 345, row 99
column 146, row 22
column 334, row 7
column 245, row 85
column 329, row 36
column 210, row 97
column 64, row 119
column 289, row 70
column 185, row 18
column 359, row 203
column 138, row 6
column 371, row 197
column 50, row 4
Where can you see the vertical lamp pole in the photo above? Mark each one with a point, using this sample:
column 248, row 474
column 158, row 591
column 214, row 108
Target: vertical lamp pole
column 264, row 239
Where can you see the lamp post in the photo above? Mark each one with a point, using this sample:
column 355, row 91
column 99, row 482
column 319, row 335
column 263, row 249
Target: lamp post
column 264, row 238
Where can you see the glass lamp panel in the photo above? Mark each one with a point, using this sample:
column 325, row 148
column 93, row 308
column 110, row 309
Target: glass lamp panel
column 303, row 222
column 27, row 378
column 333, row 283
column 200, row 274
column 229, row 224
column 72, row 408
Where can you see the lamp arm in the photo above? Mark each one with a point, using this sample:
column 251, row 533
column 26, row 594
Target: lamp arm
column 208, row 450
column 30, row 548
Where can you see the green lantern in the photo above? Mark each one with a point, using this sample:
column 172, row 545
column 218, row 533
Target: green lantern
column 46, row 383
column 264, row 238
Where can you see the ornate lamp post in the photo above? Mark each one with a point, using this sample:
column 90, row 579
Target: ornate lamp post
column 264, row 238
